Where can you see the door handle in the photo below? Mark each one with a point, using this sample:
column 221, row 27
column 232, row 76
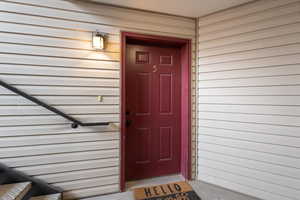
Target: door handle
column 128, row 122
column 154, row 68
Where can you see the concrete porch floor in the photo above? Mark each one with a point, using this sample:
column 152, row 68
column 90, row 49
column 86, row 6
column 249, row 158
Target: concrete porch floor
column 204, row 190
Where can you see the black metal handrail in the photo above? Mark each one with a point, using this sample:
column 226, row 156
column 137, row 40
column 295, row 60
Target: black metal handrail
column 75, row 123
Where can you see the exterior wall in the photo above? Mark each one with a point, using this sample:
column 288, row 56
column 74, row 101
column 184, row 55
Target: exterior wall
column 45, row 51
column 249, row 98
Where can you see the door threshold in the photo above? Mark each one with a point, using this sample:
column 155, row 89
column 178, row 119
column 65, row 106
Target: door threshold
column 154, row 181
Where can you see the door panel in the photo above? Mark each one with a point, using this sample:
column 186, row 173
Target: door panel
column 153, row 106
column 143, row 151
column 165, row 93
column 143, row 93
column 165, row 143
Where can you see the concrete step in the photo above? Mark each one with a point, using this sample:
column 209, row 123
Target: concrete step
column 14, row 191
column 47, row 197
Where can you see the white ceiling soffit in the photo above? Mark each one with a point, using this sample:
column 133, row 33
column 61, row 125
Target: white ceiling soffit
column 188, row 8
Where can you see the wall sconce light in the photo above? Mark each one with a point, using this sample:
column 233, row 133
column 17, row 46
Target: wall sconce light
column 98, row 40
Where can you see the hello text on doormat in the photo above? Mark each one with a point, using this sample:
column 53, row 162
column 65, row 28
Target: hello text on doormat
column 172, row 191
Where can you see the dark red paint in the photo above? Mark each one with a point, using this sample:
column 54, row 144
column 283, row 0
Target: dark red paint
column 153, row 107
column 163, row 111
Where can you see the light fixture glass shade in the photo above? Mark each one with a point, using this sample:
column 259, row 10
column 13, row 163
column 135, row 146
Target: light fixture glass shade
column 98, row 41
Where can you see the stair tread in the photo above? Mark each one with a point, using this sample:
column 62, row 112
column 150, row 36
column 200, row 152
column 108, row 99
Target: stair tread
column 47, row 197
column 14, row 191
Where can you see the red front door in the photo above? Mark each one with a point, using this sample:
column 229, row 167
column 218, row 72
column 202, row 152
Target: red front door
column 153, row 106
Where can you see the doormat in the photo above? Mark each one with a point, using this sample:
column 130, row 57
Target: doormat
column 172, row 191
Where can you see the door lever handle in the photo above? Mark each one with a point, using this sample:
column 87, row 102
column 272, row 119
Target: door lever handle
column 128, row 122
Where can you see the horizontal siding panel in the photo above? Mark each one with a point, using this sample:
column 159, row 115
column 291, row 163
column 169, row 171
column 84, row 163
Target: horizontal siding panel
column 20, row 80
column 242, row 184
column 33, row 38
column 57, row 139
column 251, row 27
column 60, row 100
column 258, row 90
column 258, row 53
column 251, row 109
column 63, row 90
column 38, row 110
column 82, row 26
column 95, row 191
column 252, row 72
column 79, row 175
column 48, row 71
column 60, row 81
column 241, row 11
column 251, row 137
column 51, row 130
column 247, row 162
column 251, row 45
column 50, row 41
column 113, row 12
column 252, row 18
column 250, row 127
column 72, row 166
column 253, row 146
column 38, row 120
column 59, row 158
column 93, row 182
column 257, row 155
column 250, row 36
column 252, row 100
column 253, row 118
column 249, row 179
column 57, row 62
column 55, row 23
column 57, row 52
column 253, row 81
column 286, row 183
column 58, row 148
column 16, row 27
column 92, row 19
column 252, row 63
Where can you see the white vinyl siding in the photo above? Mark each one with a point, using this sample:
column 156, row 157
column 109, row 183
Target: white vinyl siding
column 248, row 97
column 45, row 50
